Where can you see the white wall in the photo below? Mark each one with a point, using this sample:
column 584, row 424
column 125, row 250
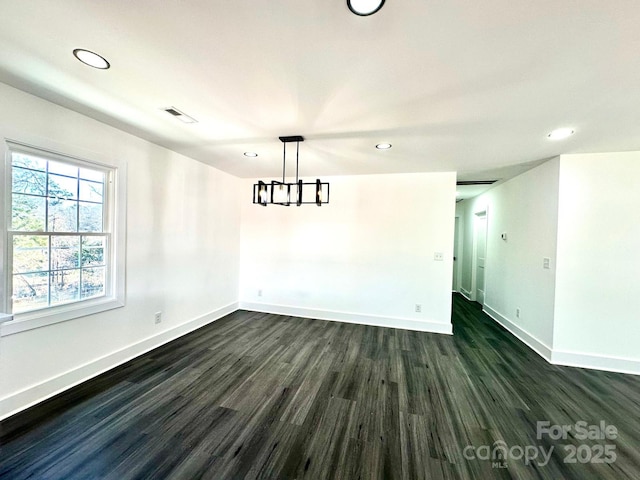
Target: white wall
column 526, row 209
column 581, row 212
column 368, row 256
column 183, row 239
column 597, row 307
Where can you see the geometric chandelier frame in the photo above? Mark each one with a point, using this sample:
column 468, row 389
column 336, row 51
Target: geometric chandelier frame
column 288, row 193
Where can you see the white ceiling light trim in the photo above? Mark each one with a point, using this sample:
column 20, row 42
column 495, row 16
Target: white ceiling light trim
column 250, row 154
column 365, row 7
column 91, row 58
column 561, row 133
column 383, row 146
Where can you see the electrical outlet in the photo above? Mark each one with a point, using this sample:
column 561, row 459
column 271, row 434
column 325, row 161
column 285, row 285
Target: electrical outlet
column 418, row 308
column 438, row 256
column 158, row 317
column 546, row 263
column 260, row 292
column 517, row 313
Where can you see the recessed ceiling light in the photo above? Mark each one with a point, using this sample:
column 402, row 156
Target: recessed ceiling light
column 383, row 146
column 250, row 154
column 365, row 7
column 90, row 58
column 458, row 194
column 560, row 133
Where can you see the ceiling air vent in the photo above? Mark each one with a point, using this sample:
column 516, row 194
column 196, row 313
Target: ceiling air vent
column 476, row 182
column 183, row 117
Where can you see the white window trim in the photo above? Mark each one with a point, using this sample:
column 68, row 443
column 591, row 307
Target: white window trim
column 116, row 213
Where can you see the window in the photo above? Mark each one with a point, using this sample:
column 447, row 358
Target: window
column 61, row 237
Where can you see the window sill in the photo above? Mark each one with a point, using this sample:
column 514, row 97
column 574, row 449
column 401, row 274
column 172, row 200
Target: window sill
column 5, row 317
column 22, row 322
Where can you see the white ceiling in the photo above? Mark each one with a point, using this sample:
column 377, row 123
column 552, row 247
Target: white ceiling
column 465, row 85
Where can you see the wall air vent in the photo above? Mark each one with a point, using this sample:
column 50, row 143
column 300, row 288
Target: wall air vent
column 183, row 117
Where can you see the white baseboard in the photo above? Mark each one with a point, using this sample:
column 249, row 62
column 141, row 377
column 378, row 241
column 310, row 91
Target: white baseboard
column 532, row 342
column 565, row 358
column 23, row 399
column 465, row 294
column 374, row 320
column 35, row 394
column 597, row 362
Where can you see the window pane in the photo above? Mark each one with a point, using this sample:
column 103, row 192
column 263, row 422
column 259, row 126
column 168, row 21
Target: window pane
column 94, row 175
column 91, row 191
column 28, row 181
column 30, row 291
column 27, row 161
column 90, row 217
column 93, row 251
column 93, row 282
column 52, row 201
column 63, row 169
column 27, row 213
column 65, row 286
column 65, row 252
column 63, row 215
column 63, row 187
column 30, row 253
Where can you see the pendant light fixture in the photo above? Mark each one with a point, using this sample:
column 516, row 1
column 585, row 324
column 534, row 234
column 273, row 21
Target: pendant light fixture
column 280, row 193
column 365, row 7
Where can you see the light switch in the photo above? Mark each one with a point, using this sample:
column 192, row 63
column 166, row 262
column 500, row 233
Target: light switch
column 546, row 263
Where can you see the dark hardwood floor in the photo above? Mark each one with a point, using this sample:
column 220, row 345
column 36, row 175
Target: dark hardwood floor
column 266, row 396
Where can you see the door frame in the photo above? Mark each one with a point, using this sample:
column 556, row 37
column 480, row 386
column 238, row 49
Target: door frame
column 458, row 236
column 474, row 254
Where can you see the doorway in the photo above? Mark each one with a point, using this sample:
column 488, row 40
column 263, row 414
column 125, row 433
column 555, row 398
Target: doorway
column 479, row 256
column 456, row 240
